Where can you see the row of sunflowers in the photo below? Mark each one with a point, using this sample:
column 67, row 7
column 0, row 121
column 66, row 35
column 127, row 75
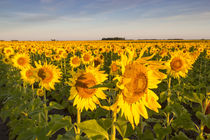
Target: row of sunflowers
column 105, row 89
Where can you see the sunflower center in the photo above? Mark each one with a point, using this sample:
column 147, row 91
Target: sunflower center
column 49, row 76
column 176, row 64
column 96, row 62
column 75, row 60
column 83, row 84
column 114, row 67
column 6, row 60
column 21, row 61
column 135, row 82
column 29, row 74
column 8, row 51
column 41, row 73
column 86, row 57
column 140, row 84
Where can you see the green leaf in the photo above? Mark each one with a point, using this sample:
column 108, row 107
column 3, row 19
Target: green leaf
column 204, row 118
column 163, row 96
column 161, row 132
column 194, row 97
column 199, row 137
column 58, row 122
column 176, row 108
column 184, row 121
column 181, row 136
column 55, row 105
column 33, row 133
column 92, row 129
column 106, row 123
column 109, row 85
column 147, row 135
column 67, row 136
column 121, row 126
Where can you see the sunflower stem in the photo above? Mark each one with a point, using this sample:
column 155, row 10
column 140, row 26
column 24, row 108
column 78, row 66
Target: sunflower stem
column 33, row 96
column 203, row 109
column 168, row 102
column 169, row 91
column 141, row 125
column 114, row 117
column 78, row 121
column 64, row 66
column 45, row 107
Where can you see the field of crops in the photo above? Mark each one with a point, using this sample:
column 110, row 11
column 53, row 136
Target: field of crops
column 105, row 90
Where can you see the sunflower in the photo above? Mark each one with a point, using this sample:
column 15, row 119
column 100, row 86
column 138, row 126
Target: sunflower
column 28, row 74
column 75, row 61
column 6, row 60
column 83, row 95
column 114, row 67
column 48, row 75
column 180, row 63
column 60, row 51
column 97, row 62
column 87, row 58
column 21, row 60
column 135, row 84
column 8, row 51
column 57, row 57
column 40, row 92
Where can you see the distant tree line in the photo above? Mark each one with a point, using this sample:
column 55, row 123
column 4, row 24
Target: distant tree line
column 113, row 38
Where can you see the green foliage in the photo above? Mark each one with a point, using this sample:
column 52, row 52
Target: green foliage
column 55, row 105
column 161, row 132
column 92, row 129
column 124, row 128
column 204, row 118
column 57, row 122
column 180, row 136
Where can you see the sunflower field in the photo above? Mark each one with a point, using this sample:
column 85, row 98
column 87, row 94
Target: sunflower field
column 105, row 90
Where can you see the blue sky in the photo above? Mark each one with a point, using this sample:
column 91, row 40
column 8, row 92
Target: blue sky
column 94, row 19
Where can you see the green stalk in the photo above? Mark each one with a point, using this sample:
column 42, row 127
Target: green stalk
column 168, row 102
column 45, row 107
column 141, row 126
column 169, row 91
column 78, row 121
column 33, row 96
column 64, row 66
column 203, row 109
column 114, row 117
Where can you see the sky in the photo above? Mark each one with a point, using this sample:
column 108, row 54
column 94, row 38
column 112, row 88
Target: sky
column 94, row 19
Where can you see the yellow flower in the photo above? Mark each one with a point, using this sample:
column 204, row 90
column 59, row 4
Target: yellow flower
column 114, row 67
column 6, row 60
column 21, row 60
column 48, row 75
column 97, row 62
column 60, row 51
column 87, row 58
column 75, row 61
column 57, row 57
column 8, row 51
column 28, row 74
column 136, row 83
column 180, row 63
column 83, row 95
column 40, row 92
